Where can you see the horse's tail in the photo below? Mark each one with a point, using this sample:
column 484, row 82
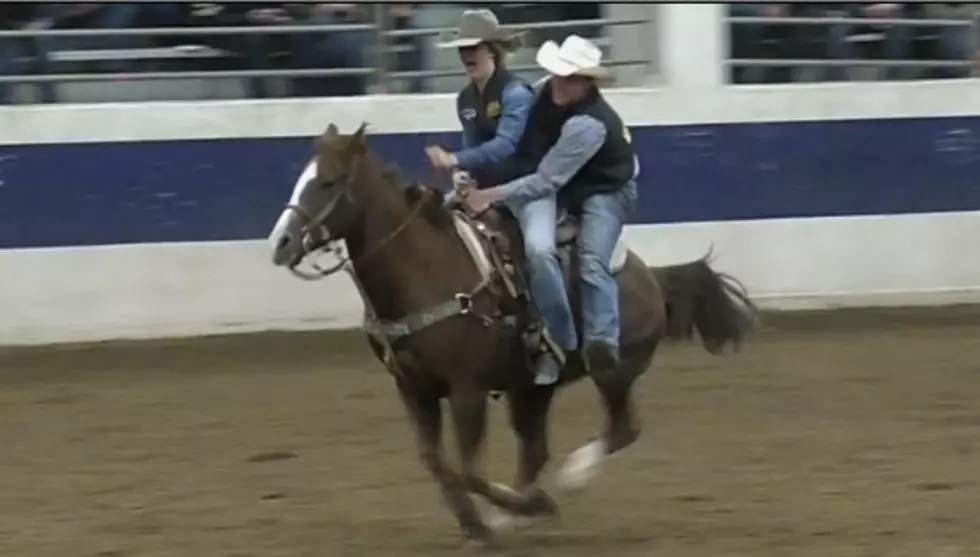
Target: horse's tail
column 715, row 304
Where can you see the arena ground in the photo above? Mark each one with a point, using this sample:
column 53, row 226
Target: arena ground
column 834, row 435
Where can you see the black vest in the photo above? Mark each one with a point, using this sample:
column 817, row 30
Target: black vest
column 611, row 168
column 485, row 109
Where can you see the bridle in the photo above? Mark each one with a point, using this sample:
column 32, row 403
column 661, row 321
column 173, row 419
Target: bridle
column 385, row 332
column 312, row 223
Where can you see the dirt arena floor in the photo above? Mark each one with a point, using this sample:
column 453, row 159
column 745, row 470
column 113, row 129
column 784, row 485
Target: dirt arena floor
column 836, row 435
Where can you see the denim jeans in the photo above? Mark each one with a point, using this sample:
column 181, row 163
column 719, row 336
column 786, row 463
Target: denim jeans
column 538, row 220
column 602, row 220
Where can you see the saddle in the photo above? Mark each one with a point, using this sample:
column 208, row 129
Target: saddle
column 500, row 236
column 495, row 242
column 496, row 245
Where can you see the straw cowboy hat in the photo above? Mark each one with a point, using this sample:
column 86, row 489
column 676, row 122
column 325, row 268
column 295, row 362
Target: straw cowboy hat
column 479, row 26
column 575, row 56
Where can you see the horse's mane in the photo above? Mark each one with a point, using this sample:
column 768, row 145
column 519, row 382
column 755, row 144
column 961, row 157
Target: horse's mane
column 416, row 192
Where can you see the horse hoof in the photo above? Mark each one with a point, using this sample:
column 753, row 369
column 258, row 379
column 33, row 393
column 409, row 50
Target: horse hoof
column 540, row 504
column 478, row 536
column 582, row 466
column 498, row 520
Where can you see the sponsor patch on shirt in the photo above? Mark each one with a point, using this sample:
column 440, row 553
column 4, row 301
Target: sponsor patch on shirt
column 468, row 113
column 493, row 109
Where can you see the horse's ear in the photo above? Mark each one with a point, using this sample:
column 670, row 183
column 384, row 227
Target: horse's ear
column 358, row 144
column 321, row 144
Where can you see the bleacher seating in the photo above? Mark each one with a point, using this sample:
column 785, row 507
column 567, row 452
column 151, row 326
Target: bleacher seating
column 770, row 43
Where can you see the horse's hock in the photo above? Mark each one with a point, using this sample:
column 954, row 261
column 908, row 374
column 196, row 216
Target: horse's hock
column 839, row 434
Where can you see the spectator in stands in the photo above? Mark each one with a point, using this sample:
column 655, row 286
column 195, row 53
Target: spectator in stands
column 954, row 43
column 13, row 52
column 861, row 41
column 94, row 15
column 834, row 41
column 332, row 49
column 759, row 41
column 409, row 56
column 257, row 50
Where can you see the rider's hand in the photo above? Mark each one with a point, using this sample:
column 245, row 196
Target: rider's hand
column 478, row 201
column 462, row 180
column 440, row 158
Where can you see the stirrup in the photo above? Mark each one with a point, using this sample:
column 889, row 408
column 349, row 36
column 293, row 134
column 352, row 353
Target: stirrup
column 551, row 346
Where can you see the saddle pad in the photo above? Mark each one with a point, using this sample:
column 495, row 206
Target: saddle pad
column 619, row 255
column 472, row 242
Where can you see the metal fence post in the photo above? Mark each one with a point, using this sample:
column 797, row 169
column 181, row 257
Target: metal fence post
column 380, row 49
column 974, row 53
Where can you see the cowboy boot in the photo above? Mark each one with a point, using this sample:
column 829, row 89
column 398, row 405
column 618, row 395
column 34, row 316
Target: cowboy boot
column 600, row 358
column 547, row 369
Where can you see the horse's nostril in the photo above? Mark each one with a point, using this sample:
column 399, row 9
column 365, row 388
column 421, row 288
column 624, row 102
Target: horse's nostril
column 283, row 242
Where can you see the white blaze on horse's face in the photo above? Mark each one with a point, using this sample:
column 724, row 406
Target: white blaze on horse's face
column 286, row 238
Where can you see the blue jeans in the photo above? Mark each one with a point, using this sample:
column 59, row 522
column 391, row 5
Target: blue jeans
column 538, row 220
column 602, row 220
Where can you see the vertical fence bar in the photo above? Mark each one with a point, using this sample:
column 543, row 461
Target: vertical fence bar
column 380, row 48
column 974, row 53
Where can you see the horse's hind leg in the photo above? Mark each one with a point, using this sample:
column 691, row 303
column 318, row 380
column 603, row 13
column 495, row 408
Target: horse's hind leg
column 426, row 414
column 622, row 426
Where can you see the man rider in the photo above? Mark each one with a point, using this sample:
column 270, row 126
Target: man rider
column 493, row 107
column 576, row 154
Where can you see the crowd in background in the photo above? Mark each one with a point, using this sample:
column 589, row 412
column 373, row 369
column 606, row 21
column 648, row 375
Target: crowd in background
column 356, row 49
column 250, row 51
column 851, row 41
column 267, row 51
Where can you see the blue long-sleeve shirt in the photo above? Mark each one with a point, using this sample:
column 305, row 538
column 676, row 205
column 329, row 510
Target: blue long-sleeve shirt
column 515, row 104
column 581, row 137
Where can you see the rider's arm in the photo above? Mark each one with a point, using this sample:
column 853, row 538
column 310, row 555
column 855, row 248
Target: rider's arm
column 539, row 84
column 515, row 103
column 581, row 137
column 468, row 132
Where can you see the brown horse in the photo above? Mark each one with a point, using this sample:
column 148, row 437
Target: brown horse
column 449, row 327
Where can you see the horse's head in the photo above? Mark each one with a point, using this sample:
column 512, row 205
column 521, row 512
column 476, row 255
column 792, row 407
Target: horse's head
column 324, row 203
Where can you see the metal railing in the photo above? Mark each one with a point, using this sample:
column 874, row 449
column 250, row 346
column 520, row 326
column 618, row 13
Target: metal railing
column 971, row 24
column 379, row 53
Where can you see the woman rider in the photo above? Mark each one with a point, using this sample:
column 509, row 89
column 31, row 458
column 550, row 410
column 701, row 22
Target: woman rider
column 493, row 107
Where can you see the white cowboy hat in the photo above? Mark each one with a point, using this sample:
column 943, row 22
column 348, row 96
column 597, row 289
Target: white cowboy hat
column 479, row 26
column 575, row 56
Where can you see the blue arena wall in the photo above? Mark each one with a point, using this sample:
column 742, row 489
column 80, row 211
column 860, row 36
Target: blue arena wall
column 233, row 189
column 146, row 220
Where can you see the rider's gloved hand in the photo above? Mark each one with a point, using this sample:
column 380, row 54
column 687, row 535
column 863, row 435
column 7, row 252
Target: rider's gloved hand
column 461, row 182
column 462, row 179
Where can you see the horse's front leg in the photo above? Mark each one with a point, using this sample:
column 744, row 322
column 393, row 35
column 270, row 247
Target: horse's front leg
column 529, row 419
column 469, row 409
column 424, row 409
